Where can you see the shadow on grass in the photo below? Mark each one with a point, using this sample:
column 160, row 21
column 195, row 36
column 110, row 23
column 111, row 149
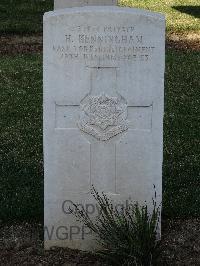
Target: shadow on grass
column 190, row 10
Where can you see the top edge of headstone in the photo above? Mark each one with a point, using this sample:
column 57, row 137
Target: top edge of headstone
column 59, row 4
column 128, row 10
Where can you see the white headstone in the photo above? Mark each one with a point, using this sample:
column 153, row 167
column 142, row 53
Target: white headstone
column 103, row 113
column 58, row 4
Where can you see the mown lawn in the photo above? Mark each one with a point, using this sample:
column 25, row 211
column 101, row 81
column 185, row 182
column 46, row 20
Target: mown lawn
column 25, row 16
column 181, row 15
column 182, row 137
column 21, row 178
column 21, row 173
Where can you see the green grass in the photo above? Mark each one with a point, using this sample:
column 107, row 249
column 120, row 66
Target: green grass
column 21, row 178
column 23, row 16
column 21, row 174
column 181, row 15
column 182, row 138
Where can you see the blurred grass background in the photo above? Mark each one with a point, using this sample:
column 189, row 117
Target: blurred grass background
column 25, row 16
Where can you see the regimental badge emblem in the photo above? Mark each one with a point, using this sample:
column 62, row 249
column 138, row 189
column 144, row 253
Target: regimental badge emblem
column 103, row 116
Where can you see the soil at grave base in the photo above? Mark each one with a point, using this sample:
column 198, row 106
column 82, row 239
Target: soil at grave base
column 14, row 44
column 22, row 245
column 190, row 41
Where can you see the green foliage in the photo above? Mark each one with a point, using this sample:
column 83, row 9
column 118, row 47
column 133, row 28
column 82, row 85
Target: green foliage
column 127, row 236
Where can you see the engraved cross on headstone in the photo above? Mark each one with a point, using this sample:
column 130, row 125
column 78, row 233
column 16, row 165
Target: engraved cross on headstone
column 102, row 118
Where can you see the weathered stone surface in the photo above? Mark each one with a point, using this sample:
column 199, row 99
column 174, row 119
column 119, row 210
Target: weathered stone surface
column 58, row 4
column 103, row 112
